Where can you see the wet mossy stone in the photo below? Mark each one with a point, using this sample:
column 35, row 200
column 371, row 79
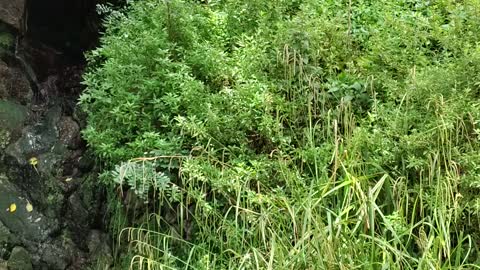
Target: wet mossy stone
column 86, row 163
column 11, row 13
column 12, row 115
column 14, row 85
column 22, row 222
column 36, row 139
column 19, row 259
column 7, row 241
column 5, row 235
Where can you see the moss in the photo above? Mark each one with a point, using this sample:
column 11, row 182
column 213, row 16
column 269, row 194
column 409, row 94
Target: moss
column 12, row 115
column 4, row 139
column 7, row 40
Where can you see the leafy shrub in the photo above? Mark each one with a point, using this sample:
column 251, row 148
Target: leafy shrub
column 311, row 134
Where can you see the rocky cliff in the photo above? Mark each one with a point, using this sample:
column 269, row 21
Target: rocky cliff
column 50, row 207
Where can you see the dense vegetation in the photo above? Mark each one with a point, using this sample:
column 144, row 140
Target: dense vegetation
column 290, row 134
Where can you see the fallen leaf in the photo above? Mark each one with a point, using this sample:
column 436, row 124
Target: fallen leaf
column 29, row 207
column 68, row 179
column 33, row 161
column 12, row 208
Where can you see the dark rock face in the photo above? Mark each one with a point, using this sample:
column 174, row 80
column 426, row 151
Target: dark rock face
column 14, row 85
column 11, row 12
column 48, row 203
column 68, row 26
column 19, row 260
column 50, row 207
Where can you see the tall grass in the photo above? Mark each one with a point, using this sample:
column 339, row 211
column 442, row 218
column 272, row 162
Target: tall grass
column 344, row 219
column 330, row 210
column 305, row 134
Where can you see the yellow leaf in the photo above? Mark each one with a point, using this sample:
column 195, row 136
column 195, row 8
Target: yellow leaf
column 12, row 208
column 33, row 161
column 29, row 207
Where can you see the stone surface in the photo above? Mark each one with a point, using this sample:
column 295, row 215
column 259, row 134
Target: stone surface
column 14, row 85
column 24, row 223
column 4, row 78
column 55, row 203
column 69, row 132
column 44, row 175
column 36, row 139
column 11, row 12
column 5, row 235
column 19, row 259
column 12, row 115
column 59, row 253
column 49, row 200
column 98, row 246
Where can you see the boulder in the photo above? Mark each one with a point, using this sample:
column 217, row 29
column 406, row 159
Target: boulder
column 11, row 12
column 12, row 116
column 69, row 132
column 21, row 217
column 14, row 85
column 19, row 259
column 99, row 248
column 47, row 206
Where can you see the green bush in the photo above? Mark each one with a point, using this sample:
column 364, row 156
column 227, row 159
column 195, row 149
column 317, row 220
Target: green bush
column 292, row 134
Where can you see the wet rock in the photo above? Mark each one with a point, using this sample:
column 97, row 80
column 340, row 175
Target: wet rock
column 59, row 253
column 36, row 139
column 48, row 163
column 86, row 163
column 98, row 246
column 69, row 132
column 12, row 115
column 19, row 260
column 7, row 240
column 11, row 12
column 77, row 208
column 20, row 89
column 5, row 78
column 14, row 85
column 24, row 222
column 49, row 201
column 64, row 204
column 5, row 235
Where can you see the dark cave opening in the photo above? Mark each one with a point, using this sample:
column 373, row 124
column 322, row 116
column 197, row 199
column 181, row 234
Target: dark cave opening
column 52, row 41
column 69, row 27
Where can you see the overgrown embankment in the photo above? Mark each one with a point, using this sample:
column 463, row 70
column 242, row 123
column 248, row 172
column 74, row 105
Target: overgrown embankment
column 291, row 134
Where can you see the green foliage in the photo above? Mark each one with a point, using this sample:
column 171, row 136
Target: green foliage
column 140, row 177
column 305, row 134
column 6, row 40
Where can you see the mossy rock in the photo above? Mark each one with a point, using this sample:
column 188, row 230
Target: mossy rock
column 12, row 118
column 12, row 115
column 19, row 259
column 21, row 220
column 3, row 265
column 5, row 235
column 36, row 139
